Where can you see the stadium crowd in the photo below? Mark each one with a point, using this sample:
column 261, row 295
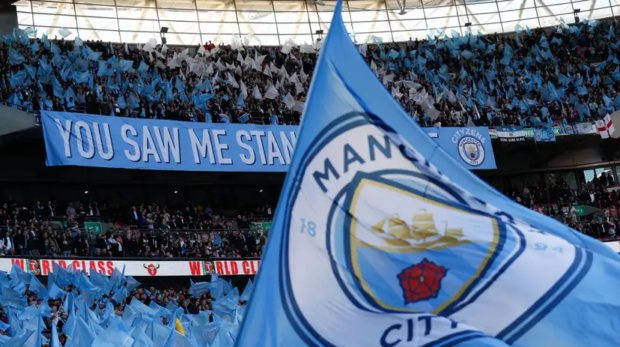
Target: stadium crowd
column 80, row 310
column 138, row 231
column 188, row 231
column 564, row 74
column 559, row 201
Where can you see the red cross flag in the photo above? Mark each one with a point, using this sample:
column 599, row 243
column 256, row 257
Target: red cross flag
column 605, row 127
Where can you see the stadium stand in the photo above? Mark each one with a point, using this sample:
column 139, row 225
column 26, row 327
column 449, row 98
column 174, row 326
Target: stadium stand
column 533, row 77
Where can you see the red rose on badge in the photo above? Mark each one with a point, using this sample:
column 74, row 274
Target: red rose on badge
column 421, row 281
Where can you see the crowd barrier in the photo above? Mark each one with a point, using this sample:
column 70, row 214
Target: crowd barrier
column 147, row 267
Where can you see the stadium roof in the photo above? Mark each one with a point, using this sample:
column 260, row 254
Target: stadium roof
column 269, row 22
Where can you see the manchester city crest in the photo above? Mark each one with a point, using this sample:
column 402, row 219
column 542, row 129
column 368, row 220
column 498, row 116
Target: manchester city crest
column 471, row 150
column 393, row 241
column 383, row 232
column 420, row 236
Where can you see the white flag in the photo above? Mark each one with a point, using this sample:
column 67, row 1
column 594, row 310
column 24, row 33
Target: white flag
column 412, row 85
column 373, row 67
column 219, row 65
column 306, row 49
column 299, row 88
column 302, row 76
column 266, row 71
column 289, row 101
column 248, row 61
column 288, row 45
column 299, row 106
column 257, row 94
column 232, row 80
column 210, row 69
column 273, row 68
column 173, row 63
column 244, row 90
column 283, row 71
column 271, row 93
column 293, row 78
column 240, row 58
column 388, row 78
column 259, row 58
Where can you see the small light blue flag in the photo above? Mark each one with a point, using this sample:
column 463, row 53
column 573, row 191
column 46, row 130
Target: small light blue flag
column 114, row 335
column 63, row 277
column 37, row 288
column 121, row 102
column 247, row 292
column 467, row 54
column 205, row 333
column 55, row 340
column 126, row 65
column 244, row 118
column 407, row 244
column 15, row 58
column 120, row 295
column 34, row 47
column 132, row 283
column 17, row 274
column 240, row 101
column 55, row 292
column 197, row 289
column 18, row 79
column 217, row 240
column 103, row 68
column 64, row 32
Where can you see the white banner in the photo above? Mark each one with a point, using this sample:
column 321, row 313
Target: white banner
column 149, row 267
column 235, row 267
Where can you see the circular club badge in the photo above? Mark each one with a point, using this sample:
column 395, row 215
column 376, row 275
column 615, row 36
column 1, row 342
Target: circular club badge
column 471, row 150
column 358, row 192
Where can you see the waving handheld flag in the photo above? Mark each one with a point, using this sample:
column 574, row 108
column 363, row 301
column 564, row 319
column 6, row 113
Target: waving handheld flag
column 379, row 239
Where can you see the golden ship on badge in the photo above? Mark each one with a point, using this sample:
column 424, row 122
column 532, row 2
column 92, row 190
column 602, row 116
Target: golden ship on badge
column 421, row 235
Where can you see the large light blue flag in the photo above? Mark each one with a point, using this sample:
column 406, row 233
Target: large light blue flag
column 383, row 239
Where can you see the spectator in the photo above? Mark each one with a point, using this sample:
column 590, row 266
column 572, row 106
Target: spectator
column 70, row 213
